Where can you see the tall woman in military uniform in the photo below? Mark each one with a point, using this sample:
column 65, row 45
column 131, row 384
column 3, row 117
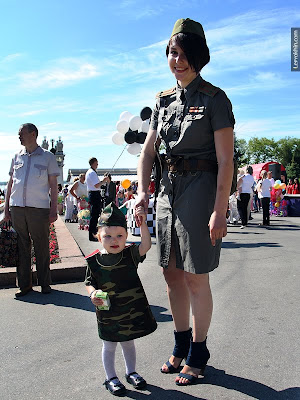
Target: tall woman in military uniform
column 195, row 123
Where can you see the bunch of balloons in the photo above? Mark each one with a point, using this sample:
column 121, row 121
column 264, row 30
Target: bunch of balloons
column 279, row 185
column 132, row 129
column 278, row 205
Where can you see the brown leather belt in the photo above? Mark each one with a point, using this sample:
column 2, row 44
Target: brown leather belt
column 182, row 166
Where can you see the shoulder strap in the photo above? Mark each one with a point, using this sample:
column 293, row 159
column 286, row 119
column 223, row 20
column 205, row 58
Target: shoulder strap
column 93, row 254
column 207, row 88
column 166, row 92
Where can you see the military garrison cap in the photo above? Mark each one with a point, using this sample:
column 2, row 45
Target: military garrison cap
column 186, row 25
column 112, row 216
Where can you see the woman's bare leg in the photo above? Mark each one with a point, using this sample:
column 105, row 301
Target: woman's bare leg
column 179, row 299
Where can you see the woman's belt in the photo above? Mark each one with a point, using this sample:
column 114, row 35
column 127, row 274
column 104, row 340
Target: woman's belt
column 182, row 166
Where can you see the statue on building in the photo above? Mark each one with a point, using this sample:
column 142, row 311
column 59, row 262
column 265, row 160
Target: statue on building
column 59, row 146
column 45, row 144
column 57, row 150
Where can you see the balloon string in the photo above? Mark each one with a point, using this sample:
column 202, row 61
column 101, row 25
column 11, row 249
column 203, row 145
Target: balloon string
column 118, row 158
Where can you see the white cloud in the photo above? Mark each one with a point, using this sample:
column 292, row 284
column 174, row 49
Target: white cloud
column 10, row 57
column 28, row 113
column 269, row 127
column 260, row 82
column 66, row 72
column 9, row 145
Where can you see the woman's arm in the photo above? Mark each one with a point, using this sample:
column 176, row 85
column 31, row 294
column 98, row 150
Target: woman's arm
column 72, row 190
column 144, row 172
column 224, row 150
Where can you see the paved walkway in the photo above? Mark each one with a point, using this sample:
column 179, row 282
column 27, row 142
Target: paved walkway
column 50, row 349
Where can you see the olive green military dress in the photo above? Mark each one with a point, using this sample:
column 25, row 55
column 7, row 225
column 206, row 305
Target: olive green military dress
column 186, row 120
column 129, row 316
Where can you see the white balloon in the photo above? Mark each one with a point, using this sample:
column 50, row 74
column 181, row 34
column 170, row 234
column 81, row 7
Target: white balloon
column 118, row 138
column 134, row 148
column 125, row 116
column 145, row 126
column 135, row 122
column 122, row 127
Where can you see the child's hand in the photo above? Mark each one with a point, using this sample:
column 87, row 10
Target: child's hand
column 140, row 214
column 97, row 301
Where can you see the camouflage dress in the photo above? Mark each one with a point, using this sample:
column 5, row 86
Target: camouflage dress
column 129, row 316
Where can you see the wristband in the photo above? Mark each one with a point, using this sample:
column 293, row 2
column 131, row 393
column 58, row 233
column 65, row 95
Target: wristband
column 92, row 293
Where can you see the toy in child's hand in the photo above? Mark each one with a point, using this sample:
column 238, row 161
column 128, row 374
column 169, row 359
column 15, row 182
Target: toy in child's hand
column 105, row 300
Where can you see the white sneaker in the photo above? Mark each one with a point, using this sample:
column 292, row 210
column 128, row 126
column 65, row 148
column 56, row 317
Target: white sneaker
column 243, row 226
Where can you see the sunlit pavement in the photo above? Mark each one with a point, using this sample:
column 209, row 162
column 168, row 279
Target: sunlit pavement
column 50, row 348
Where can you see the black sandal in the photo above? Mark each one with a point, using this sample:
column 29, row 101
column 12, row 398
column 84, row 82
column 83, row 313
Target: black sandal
column 197, row 358
column 181, row 350
column 115, row 388
column 136, row 380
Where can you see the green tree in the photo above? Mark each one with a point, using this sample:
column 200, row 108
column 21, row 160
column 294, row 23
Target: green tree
column 292, row 170
column 241, row 151
column 289, row 155
column 262, row 150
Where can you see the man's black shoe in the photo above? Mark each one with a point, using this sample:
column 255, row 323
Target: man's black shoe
column 93, row 239
column 23, row 292
column 46, row 289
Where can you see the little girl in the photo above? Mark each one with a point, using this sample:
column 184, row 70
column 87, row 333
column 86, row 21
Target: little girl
column 113, row 273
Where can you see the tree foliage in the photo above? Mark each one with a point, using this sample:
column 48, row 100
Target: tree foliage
column 241, row 151
column 286, row 151
column 262, row 150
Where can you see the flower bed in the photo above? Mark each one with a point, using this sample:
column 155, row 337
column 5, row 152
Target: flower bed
column 53, row 247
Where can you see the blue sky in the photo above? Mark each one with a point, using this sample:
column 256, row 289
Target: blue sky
column 71, row 67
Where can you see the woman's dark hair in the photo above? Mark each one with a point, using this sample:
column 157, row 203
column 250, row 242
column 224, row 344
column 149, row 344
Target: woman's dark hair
column 194, row 47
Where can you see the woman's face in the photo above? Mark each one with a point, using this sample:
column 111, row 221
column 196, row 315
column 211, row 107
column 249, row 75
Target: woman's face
column 179, row 65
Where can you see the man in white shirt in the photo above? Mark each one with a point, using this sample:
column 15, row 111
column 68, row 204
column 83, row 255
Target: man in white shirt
column 31, row 204
column 95, row 199
column 246, row 183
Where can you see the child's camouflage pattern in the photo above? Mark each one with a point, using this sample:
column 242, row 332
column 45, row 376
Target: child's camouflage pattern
column 129, row 316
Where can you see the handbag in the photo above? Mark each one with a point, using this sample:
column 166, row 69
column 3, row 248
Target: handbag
column 9, row 255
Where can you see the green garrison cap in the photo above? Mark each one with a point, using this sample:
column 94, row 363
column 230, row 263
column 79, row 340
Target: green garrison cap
column 112, row 216
column 186, row 25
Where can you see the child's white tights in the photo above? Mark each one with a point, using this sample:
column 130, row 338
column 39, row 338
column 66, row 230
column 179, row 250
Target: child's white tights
column 108, row 357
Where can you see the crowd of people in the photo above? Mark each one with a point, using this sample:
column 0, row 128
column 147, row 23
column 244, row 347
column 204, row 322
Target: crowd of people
column 89, row 192
column 256, row 195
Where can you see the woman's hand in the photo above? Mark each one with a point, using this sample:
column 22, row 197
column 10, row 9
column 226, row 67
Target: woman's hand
column 217, row 227
column 141, row 203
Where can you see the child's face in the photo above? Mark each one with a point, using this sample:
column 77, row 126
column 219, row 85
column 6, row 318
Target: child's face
column 113, row 238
